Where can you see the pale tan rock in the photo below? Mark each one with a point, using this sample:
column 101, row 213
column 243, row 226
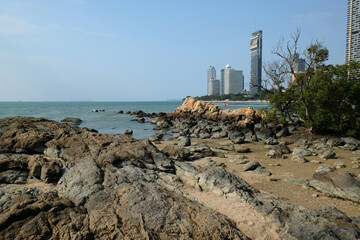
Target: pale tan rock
column 194, row 108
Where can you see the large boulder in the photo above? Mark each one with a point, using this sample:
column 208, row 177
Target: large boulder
column 193, row 108
column 338, row 184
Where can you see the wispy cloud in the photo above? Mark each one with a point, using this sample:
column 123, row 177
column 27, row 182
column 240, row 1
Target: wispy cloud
column 10, row 25
column 311, row 18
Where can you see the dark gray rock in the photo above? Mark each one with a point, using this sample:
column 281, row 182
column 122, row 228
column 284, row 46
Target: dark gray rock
column 304, row 143
column 14, row 176
column 338, row 184
column 129, row 132
column 302, row 151
column 283, row 132
column 197, row 151
column 218, row 135
column 236, row 137
column 349, row 147
column 262, row 170
column 274, row 153
column 351, row 140
column 251, row 166
column 327, row 153
column 212, row 163
column 81, row 181
column 283, row 148
column 335, row 142
column 184, row 141
column 242, row 149
column 299, row 158
column 221, row 182
column 75, row 121
column 204, row 135
column 264, row 133
column 271, row 141
column 141, row 120
column 225, row 147
column 324, row 169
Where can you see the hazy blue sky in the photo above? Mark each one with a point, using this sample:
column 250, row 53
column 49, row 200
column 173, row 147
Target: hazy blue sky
column 117, row 50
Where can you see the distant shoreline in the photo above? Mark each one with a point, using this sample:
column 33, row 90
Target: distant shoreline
column 231, row 102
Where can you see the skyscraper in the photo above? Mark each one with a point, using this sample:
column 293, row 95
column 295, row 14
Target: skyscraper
column 353, row 31
column 256, row 62
column 233, row 80
column 211, row 74
column 214, row 87
column 222, row 75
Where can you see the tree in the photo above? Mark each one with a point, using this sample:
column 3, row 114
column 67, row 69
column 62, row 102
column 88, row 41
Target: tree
column 324, row 97
column 279, row 74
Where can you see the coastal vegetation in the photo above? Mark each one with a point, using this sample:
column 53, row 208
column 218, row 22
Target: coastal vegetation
column 324, row 97
column 233, row 97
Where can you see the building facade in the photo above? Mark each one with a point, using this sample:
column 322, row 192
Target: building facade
column 256, row 62
column 298, row 63
column 353, row 31
column 222, row 75
column 214, row 88
column 233, row 80
column 211, row 75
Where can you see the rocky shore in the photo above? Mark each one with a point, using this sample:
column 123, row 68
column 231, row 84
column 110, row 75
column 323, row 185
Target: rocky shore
column 60, row 181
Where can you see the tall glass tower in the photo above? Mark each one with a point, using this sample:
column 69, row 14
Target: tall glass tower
column 256, row 62
column 211, row 75
column 353, row 31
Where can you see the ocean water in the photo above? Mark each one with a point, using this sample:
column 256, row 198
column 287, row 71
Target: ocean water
column 108, row 121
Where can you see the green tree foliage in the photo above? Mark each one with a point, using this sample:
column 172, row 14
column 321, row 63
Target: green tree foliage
column 333, row 99
column 325, row 98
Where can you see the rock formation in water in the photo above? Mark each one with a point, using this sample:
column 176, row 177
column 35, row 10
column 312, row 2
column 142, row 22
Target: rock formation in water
column 209, row 111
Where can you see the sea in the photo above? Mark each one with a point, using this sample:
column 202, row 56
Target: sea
column 107, row 121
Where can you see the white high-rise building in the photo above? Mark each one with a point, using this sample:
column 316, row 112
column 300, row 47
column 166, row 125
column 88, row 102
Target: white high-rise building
column 211, row 75
column 222, row 73
column 233, row 80
column 214, row 87
column 353, row 31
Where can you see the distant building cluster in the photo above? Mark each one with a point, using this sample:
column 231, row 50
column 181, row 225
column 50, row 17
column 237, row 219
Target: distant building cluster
column 353, row 31
column 231, row 80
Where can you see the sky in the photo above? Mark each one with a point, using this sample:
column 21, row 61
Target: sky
column 142, row 50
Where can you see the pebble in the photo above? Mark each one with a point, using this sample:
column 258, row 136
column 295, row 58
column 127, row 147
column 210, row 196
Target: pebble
column 275, row 164
column 316, row 161
column 356, row 166
column 315, row 195
column 338, row 165
column 272, row 179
